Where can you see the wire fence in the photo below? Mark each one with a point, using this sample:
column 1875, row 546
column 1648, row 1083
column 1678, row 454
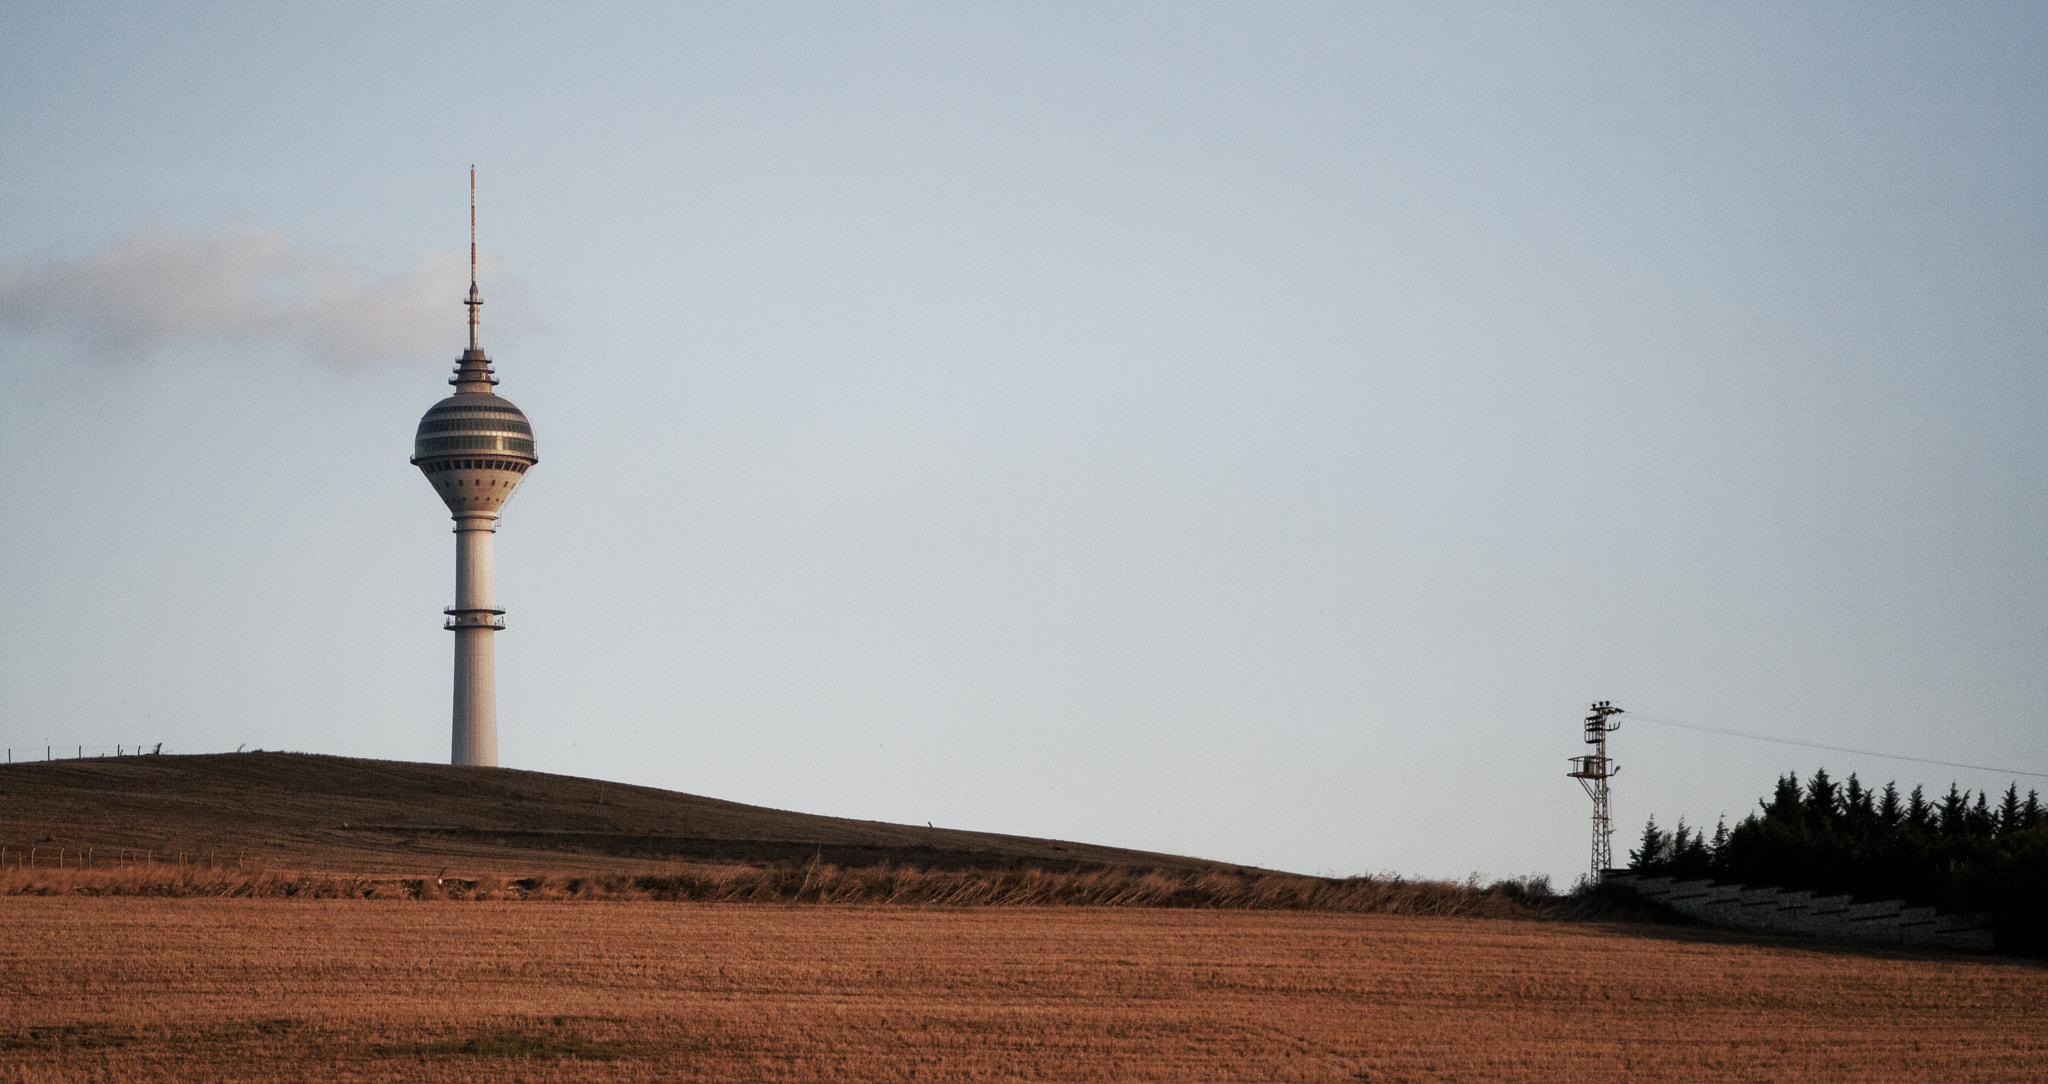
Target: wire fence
column 23, row 754
column 36, row 856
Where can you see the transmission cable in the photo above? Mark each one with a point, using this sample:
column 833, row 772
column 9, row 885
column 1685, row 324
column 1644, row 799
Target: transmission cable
column 1830, row 748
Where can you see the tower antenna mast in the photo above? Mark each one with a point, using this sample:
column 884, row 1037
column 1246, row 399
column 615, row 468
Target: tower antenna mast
column 475, row 301
column 1593, row 772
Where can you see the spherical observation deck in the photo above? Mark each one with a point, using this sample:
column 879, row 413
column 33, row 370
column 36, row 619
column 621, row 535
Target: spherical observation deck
column 474, row 447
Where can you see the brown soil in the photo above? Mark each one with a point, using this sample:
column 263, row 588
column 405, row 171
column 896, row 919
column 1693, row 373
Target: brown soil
column 382, row 991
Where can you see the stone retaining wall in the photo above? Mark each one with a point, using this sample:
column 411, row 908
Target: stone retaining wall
column 1775, row 910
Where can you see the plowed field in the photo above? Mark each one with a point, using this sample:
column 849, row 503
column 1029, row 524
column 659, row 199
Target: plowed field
column 371, row 990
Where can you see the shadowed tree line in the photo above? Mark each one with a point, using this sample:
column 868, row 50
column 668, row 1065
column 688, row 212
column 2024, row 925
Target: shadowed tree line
column 1957, row 852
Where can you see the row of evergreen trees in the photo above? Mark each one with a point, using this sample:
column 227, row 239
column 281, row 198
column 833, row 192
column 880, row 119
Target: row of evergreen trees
column 1954, row 852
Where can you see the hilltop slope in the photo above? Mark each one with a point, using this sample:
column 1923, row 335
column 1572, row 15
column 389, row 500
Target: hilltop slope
column 299, row 810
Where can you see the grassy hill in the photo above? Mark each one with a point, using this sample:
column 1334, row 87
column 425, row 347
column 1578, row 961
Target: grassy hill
column 303, row 811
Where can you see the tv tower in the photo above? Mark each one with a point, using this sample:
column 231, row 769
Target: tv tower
column 474, row 447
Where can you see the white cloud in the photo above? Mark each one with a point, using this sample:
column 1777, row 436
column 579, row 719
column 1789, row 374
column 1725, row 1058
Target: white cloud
column 164, row 285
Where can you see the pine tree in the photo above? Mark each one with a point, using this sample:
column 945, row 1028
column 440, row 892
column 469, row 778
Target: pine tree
column 1889, row 815
column 1919, row 815
column 1823, row 800
column 1784, row 804
column 2009, row 811
column 1982, row 821
column 1955, row 808
column 1654, row 850
column 1962, row 850
column 1857, row 806
column 1689, row 856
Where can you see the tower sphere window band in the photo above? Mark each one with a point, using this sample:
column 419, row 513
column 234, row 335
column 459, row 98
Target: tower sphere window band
column 427, row 445
column 442, row 425
column 440, row 465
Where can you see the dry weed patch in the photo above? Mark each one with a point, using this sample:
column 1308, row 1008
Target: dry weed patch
column 138, row 989
column 812, row 883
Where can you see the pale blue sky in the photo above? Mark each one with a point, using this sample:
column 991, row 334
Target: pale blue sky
column 1250, row 431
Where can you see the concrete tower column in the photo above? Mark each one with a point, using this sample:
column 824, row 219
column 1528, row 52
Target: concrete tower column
column 474, row 447
column 475, row 620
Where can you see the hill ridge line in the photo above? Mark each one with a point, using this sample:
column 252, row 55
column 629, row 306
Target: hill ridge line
column 331, row 810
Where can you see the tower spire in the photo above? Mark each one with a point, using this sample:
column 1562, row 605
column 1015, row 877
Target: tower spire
column 475, row 301
column 473, row 371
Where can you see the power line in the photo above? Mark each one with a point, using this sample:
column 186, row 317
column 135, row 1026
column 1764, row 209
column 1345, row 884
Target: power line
column 1830, row 748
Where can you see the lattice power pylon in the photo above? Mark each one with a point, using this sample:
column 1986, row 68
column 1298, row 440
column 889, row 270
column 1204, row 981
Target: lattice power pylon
column 1593, row 772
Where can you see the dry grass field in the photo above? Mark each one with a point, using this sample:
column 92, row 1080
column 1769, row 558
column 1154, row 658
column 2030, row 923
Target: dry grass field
column 135, row 989
column 809, row 883
column 306, row 812
column 293, row 917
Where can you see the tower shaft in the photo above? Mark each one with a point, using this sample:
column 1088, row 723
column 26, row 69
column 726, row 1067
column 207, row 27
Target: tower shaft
column 475, row 620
